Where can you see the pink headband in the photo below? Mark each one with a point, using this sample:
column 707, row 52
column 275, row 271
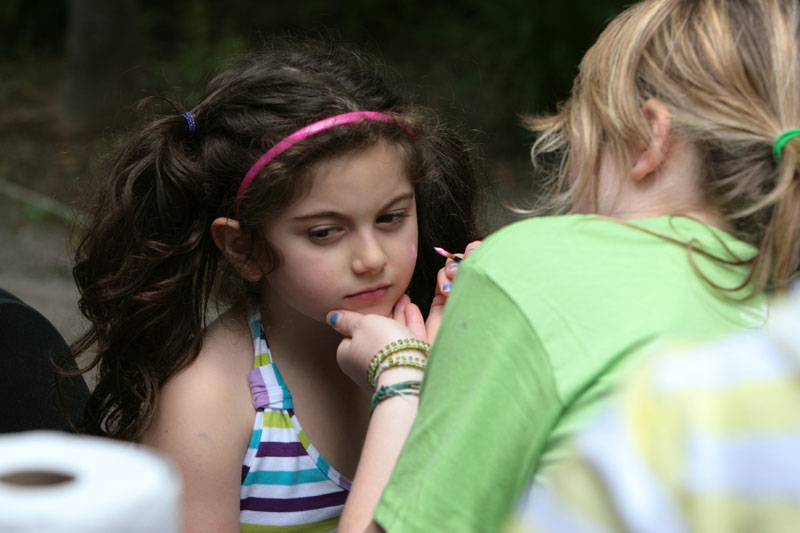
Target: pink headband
column 304, row 133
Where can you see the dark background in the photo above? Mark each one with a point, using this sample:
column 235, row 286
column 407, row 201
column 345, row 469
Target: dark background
column 71, row 72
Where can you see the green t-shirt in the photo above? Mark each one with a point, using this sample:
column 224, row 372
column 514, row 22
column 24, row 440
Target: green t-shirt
column 541, row 319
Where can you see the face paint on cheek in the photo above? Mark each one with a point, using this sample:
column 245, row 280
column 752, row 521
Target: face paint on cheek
column 414, row 251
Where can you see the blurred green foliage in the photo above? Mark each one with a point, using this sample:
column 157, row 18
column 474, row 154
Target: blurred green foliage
column 482, row 63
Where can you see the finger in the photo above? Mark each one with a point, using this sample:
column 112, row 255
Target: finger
column 434, row 318
column 399, row 308
column 350, row 365
column 404, row 299
column 471, row 248
column 345, row 322
column 415, row 321
column 343, row 348
column 450, row 270
column 444, row 283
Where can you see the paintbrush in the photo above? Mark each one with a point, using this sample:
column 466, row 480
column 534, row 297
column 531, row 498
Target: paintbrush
column 445, row 253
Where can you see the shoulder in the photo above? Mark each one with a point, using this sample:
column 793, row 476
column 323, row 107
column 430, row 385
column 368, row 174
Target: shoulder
column 595, row 248
column 227, row 350
column 16, row 313
column 540, row 239
column 203, row 421
column 214, row 388
column 537, row 250
column 224, row 361
column 748, row 388
column 577, row 273
column 529, row 237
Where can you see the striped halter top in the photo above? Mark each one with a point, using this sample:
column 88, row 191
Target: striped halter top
column 286, row 484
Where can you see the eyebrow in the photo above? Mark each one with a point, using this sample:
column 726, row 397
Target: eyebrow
column 335, row 214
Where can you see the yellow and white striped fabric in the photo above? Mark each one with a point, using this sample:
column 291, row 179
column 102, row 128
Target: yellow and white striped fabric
column 701, row 440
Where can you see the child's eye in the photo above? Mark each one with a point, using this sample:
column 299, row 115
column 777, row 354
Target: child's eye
column 392, row 219
column 325, row 233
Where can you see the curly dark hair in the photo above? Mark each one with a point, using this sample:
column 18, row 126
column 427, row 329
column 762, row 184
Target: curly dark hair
column 147, row 267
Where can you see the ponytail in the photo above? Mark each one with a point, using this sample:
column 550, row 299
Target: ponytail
column 145, row 269
column 729, row 73
column 782, row 240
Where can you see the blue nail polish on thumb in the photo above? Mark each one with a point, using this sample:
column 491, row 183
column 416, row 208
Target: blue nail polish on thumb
column 334, row 319
column 447, row 287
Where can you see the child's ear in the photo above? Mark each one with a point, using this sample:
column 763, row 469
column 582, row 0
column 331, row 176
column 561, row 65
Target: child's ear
column 650, row 158
column 237, row 247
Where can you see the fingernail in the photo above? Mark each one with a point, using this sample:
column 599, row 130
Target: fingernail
column 447, row 287
column 453, row 266
column 334, row 318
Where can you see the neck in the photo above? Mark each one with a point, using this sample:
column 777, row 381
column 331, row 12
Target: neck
column 675, row 188
column 710, row 217
column 297, row 337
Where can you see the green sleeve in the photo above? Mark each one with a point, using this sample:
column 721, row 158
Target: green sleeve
column 488, row 403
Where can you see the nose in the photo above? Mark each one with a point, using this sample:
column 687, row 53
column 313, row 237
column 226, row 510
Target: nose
column 369, row 256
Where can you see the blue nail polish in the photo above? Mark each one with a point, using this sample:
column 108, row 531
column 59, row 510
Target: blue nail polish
column 453, row 266
column 334, row 318
column 447, row 287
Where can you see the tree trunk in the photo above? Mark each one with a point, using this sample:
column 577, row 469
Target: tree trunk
column 101, row 51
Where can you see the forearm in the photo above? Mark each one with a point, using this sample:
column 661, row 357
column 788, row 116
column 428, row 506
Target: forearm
column 389, row 426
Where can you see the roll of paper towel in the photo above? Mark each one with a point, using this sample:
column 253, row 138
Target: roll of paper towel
column 61, row 483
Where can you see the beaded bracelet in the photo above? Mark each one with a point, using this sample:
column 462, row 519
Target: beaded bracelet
column 395, row 361
column 392, row 348
column 397, row 389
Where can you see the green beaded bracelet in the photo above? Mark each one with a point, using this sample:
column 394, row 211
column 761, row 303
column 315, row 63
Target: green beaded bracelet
column 395, row 361
column 397, row 389
column 392, row 348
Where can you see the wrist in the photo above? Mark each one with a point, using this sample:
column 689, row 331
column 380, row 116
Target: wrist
column 408, row 353
column 404, row 389
column 392, row 376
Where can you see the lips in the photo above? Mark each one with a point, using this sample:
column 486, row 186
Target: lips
column 370, row 293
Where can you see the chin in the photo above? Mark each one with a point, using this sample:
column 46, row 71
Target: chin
column 377, row 308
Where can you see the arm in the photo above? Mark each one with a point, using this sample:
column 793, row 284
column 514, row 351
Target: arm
column 202, row 424
column 392, row 418
column 391, row 421
column 487, row 405
column 488, row 402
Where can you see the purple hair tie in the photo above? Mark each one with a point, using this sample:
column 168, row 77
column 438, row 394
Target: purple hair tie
column 190, row 121
column 304, row 133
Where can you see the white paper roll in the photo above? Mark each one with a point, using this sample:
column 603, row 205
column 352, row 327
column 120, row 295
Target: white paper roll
column 60, row 483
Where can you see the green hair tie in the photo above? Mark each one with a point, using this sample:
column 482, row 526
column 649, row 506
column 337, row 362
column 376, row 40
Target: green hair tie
column 780, row 142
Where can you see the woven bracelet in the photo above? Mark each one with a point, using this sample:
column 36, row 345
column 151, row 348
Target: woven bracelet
column 397, row 389
column 392, row 348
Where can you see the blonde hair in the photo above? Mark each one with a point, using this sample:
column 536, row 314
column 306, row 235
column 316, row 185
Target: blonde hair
column 729, row 73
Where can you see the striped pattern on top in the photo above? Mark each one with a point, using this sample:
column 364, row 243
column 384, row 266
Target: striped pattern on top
column 286, row 484
column 701, row 440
